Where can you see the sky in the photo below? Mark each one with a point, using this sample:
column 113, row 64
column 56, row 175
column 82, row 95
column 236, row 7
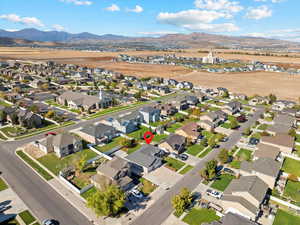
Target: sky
column 259, row 18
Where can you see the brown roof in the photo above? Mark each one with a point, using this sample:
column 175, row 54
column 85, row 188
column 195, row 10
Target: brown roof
column 266, row 151
column 191, row 129
column 279, row 139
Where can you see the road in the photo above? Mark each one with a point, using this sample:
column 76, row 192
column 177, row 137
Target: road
column 157, row 213
column 41, row 199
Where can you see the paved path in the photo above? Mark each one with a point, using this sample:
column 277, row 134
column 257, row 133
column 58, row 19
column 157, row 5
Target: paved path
column 157, row 213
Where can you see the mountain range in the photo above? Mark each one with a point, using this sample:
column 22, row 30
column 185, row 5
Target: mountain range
column 193, row 40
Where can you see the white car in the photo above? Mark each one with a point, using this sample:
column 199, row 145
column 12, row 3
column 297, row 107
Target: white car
column 50, row 222
column 136, row 193
column 213, row 193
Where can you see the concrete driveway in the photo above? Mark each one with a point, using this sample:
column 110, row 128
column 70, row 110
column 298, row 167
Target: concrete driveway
column 9, row 198
column 163, row 177
column 192, row 160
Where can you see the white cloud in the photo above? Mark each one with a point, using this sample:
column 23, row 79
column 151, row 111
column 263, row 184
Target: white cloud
column 113, row 8
column 283, row 34
column 277, row 1
column 58, row 27
column 219, row 5
column 157, row 33
column 259, row 12
column 137, row 9
column 29, row 21
column 78, row 2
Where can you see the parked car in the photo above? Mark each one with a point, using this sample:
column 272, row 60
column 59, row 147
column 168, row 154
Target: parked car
column 4, row 208
column 183, row 157
column 136, row 193
column 213, row 193
column 224, row 139
column 253, row 141
column 50, row 222
column 227, row 170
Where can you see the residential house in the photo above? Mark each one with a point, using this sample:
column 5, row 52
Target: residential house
column 150, row 114
column 244, row 196
column 282, row 124
column 284, row 142
column 232, row 219
column 113, row 172
column 145, row 159
column 180, row 103
column 232, row 108
column 266, row 169
column 189, row 131
column 61, row 144
column 212, row 120
column 167, row 109
column 29, row 119
column 192, row 100
column 283, row 104
column 266, row 151
column 98, row 133
column 258, row 100
column 174, row 143
column 222, row 91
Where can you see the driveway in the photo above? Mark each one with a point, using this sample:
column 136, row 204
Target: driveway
column 9, row 198
column 163, row 177
column 192, row 160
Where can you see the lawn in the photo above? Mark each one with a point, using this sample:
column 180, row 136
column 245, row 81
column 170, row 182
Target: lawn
column 147, row 187
column 54, row 164
column 34, row 165
column 200, row 216
column 235, row 164
column 27, row 217
column 291, row 166
column 286, row 218
column 222, row 182
column 256, row 135
column 3, row 185
column 174, row 127
column 159, row 137
column 113, row 144
column 11, row 222
column 139, row 133
column 132, row 150
column 297, row 150
column 186, row 169
column 244, row 154
column 3, row 103
column 263, row 127
column 2, row 137
column 207, row 134
column 195, row 149
column 174, row 164
column 297, row 138
column 226, row 125
column 89, row 193
column 203, row 154
column 159, row 123
column 292, row 190
column 53, row 103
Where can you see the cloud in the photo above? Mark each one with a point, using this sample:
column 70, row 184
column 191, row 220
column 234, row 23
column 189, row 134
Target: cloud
column 283, row 34
column 78, row 2
column 58, row 27
column 219, row 5
column 137, row 9
column 259, row 12
column 29, row 21
column 113, row 8
column 157, row 33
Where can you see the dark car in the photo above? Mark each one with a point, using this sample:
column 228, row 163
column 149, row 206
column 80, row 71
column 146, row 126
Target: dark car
column 227, row 170
column 50, row 222
column 253, row 141
column 183, row 157
column 224, row 139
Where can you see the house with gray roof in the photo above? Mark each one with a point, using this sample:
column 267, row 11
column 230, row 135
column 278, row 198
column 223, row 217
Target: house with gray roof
column 29, row 119
column 174, row 143
column 146, row 159
column 150, row 114
column 232, row 219
column 62, row 144
column 232, row 108
column 113, row 172
column 266, row 169
column 282, row 124
column 244, row 196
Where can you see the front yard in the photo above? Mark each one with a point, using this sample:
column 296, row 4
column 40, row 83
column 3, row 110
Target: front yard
column 200, row 216
column 244, row 154
column 3, row 185
column 186, row 169
column 203, row 154
column 146, row 186
column 291, row 166
column 286, row 218
column 222, row 182
column 194, row 149
column 173, row 164
column 292, row 191
column 113, row 144
column 174, row 127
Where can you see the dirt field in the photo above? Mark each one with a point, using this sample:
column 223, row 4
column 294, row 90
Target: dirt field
column 262, row 83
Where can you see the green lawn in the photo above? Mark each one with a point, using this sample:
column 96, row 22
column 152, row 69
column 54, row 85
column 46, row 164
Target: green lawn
column 147, row 187
column 89, row 193
column 186, row 169
column 235, row 164
column 139, row 133
column 286, row 218
column 174, row 127
column 207, row 134
column 174, row 163
column 2, row 137
column 34, row 165
column 114, row 143
column 195, row 149
column 244, row 154
column 132, row 150
column 222, row 182
column 297, row 150
column 256, row 135
column 54, row 164
column 291, row 166
column 226, row 125
column 159, row 123
column 297, row 138
column 27, row 217
column 159, row 137
column 3, row 185
column 292, row 190
column 262, row 127
column 3, row 103
column 12, row 222
column 200, row 216
column 203, row 154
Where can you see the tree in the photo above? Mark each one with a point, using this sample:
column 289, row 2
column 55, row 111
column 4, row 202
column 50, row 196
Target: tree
column 234, row 124
column 204, row 142
column 14, row 119
column 210, row 169
column 223, row 156
column 272, row 98
column 108, row 202
column 247, row 131
column 138, row 95
column 2, row 116
column 212, row 141
column 196, row 112
column 50, row 114
column 226, row 94
column 182, row 201
column 128, row 143
column 292, row 132
column 80, row 163
column 34, row 108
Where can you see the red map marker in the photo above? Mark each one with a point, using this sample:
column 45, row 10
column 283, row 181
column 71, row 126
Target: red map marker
column 148, row 136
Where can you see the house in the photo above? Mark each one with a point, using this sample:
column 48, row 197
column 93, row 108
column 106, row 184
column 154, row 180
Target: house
column 191, row 100
column 232, row 107
column 238, row 96
column 29, row 119
column 189, row 131
column 284, row 142
column 98, row 133
column 212, row 120
column 76, row 100
column 232, row 219
column 258, row 100
column 150, row 114
column 282, row 124
column 222, row 91
column 283, row 104
column 266, row 151
column 266, row 169
column 126, row 123
column 61, row 144
column 180, row 103
column 114, row 172
column 244, row 196
column 174, row 143
column 167, row 109
column 145, row 159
